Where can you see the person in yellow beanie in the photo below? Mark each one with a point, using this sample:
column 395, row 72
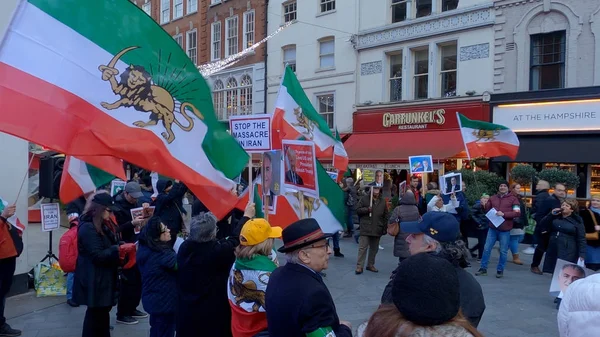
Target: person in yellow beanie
column 247, row 283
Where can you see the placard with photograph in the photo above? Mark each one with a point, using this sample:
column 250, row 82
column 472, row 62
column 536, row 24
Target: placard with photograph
column 566, row 273
column 300, row 166
column 402, row 188
column 143, row 212
column 420, row 164
column 116, row 186
column 271, row 178
column 452, row 182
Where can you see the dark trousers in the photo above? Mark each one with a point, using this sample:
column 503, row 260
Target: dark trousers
column 350, row 219
column 7, row 270
column 96, row 322
column 540, row 249
column 481, row 237
column 130, row 292
column 162, row 325
column 464, row 232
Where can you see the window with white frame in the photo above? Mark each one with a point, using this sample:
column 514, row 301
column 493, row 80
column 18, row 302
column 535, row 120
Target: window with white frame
column 396, row 77
column 248, row 29
column 448, row 70
column 231, row 40
column 327, row 53
column 289, row 11
column 219, row 100
column 245, row 95
column 421, row 73
column 231, row 96
column 215, row 45
column 326, row 106
column 165, row 11
column 177, row 9
column 179, row 39
column 289, row 57
column 327, row 5
column 192, row 45
column 147, row 7
column 448, row 5
column 422, row 8
column 192, row 6
column 399, row 10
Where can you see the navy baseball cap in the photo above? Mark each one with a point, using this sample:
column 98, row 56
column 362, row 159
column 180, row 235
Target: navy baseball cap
column 443, row 227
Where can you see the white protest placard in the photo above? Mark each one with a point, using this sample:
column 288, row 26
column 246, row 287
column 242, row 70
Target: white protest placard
column 116, row 186
column 50, row 217
column 253, row 132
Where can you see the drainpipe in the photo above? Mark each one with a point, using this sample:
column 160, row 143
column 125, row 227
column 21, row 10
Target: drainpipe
column 266, row 54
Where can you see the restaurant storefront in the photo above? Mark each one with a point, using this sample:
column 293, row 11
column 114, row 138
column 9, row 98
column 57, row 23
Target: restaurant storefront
column 557, row 129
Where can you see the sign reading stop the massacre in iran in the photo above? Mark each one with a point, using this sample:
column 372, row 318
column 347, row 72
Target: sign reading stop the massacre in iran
column 252, row 132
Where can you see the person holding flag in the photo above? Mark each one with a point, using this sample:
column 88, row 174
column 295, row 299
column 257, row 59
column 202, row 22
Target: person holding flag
column 11, row 247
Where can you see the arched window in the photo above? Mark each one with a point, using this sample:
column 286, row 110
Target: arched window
column 219, row 100
column 232, row 96
column 246, row 95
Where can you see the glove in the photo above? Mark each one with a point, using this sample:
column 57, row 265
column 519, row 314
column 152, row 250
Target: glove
column 125, row 250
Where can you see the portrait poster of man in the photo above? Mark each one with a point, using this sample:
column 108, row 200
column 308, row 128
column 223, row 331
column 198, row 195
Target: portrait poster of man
column 566, row 273
column 271, row 174
column 300, row 166
column 452, row 183
column 420, row 164
column 402, row 188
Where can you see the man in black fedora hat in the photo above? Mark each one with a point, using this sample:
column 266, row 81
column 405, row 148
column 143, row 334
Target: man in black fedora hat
column 298, row 302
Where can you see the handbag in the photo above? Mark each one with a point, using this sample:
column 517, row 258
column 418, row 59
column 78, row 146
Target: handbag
column 393, row 228
column 16, row 238
column 594, row 235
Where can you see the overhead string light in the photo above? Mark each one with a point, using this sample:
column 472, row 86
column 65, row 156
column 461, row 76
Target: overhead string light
column 208, row 69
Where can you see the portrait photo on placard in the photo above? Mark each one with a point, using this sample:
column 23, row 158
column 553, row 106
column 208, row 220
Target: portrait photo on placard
column 566, row 273
column 420, row 164
column 452, row 183
column 300, row 166
column 271, row 173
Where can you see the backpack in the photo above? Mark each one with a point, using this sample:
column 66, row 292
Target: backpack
column 67, row 250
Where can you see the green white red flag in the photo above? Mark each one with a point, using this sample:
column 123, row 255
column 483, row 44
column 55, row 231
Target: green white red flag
column 101, row 78
column 484, row 139
column 79, row 178
column 296, row 119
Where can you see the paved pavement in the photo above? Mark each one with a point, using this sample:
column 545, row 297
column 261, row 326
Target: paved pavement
column 517, row 305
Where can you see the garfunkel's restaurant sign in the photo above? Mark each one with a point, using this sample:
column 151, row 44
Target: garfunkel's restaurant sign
column 414, row 120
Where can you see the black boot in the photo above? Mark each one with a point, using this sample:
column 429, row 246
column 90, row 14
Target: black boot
column 337, row 253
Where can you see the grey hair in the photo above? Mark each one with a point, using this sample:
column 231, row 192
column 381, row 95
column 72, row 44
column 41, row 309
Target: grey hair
column 428, row 240
column 293, row 257
column 203, row 228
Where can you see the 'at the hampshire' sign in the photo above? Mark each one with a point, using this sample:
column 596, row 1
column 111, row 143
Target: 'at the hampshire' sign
column 414, row 120
column 253, row 132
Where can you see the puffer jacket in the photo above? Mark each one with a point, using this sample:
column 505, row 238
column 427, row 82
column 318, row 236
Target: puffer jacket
column 406, row 210
column 579, row 313
column 504, row 203
column 376, row 224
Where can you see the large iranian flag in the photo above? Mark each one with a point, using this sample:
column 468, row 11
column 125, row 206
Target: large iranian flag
column 101, row 78
column 487, row 139
column 296, row 119
column 79, row 177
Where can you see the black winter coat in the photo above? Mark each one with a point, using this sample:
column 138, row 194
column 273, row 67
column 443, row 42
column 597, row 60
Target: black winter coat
column 298, row 303
column 123, row 216
column 159, row 279
column 169, row 206
column 96, row 280
column 567, row 240
column 588, row 223
column 203, row 270
column 544, row 208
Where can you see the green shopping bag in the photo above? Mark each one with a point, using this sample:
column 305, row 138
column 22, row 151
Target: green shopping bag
column 530, row 228
column 49, row 280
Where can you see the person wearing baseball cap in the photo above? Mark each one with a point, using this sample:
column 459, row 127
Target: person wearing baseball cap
column 438, row 234
column 255, row 260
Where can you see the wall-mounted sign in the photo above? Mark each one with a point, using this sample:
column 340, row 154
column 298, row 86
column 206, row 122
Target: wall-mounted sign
column 550, row 116
column 414, row 120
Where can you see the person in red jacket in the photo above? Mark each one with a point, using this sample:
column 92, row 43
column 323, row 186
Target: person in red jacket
column 8, row 263
column 508, row 207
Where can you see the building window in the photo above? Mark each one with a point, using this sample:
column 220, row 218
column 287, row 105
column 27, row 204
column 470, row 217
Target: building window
column 448, row 70
column 191, row 46
column 289, row 11
column 192, row 6
column 448, row 5
column 215, row 46
column 147, row 7
column 326, row 103
column 327, row 5
column 421, row 73
column 399, row 10
column 248, row 29
column 231, row 42
column 289, row 57
column 214, row 2
column 245, row 95
column 231, row 94
column 327, row 53
column 177, row 9
column 179, row 39
column 395, row 77
column 547, row 61
column 219, row 100
column 423, row 8
column 165, row 11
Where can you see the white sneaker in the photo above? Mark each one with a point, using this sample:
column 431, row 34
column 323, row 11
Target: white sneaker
column 529, row 251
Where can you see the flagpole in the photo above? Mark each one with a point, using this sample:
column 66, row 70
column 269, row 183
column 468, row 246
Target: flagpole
column 301, row 200
column 461, row 135
column 24, row 177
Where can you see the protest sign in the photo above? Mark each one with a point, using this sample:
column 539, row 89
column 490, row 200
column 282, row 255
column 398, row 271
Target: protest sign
column 272, row 177
column 50, row 217
column 300, row 166
column 253, row 132
column 420, row 164
column 116, row 186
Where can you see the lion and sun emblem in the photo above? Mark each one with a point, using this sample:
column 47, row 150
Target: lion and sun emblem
column 137, row 90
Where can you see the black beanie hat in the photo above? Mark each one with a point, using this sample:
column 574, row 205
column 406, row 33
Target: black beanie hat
column 426, row 290
column 503, row 182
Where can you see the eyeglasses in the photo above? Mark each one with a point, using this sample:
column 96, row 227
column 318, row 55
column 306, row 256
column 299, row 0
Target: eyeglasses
column 326, row 245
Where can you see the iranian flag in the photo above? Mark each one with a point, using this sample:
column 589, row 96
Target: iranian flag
column 13, row 220
column 296, row 119
column 101, row 78
column 487, row 139
column 79, row 177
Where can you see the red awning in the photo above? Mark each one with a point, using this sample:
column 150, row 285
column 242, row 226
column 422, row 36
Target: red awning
column 394, row 147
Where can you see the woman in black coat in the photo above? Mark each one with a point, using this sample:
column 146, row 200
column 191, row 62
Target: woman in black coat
column 204, row 264
column 95, row 283
column 567, row 235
